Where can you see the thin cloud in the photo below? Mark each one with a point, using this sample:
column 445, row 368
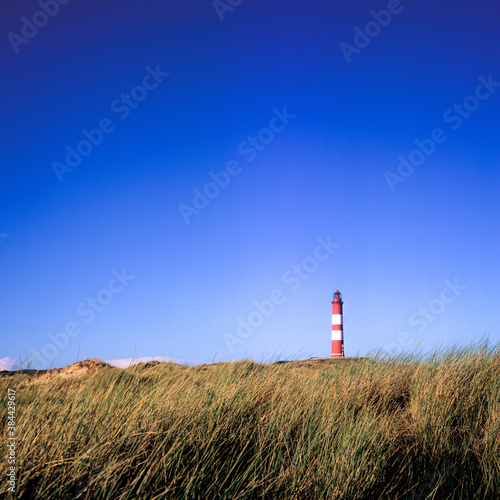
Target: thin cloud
column 7, row 363
column 126, row 362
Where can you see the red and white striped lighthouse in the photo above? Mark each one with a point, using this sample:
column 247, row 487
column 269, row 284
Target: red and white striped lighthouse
column 337, row 327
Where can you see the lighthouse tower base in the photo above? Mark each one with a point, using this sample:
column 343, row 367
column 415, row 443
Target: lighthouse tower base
column 337, row 349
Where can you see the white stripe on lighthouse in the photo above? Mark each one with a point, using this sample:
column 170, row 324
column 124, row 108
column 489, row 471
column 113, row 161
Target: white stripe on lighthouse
column 336, row 319
column 337, row 335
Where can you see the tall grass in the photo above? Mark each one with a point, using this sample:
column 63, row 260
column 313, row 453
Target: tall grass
column 406, row 427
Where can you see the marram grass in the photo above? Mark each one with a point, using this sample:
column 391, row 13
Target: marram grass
column 405, row 427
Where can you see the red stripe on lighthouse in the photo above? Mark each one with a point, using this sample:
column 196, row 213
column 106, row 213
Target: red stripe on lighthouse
column 337, row 327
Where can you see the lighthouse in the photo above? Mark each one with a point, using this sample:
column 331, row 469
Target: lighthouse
column 337, row 326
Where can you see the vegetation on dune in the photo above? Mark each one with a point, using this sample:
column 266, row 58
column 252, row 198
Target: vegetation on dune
column 404, row 427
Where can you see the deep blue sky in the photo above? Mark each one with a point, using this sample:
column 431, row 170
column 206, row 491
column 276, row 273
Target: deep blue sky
column 324, row 174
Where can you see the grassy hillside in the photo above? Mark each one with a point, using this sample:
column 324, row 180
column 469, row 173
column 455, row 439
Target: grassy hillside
column 400, row 428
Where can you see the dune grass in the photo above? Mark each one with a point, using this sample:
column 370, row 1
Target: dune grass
column 404, row 427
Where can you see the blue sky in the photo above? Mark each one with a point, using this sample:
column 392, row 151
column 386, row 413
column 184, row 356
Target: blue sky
column 171, row 168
